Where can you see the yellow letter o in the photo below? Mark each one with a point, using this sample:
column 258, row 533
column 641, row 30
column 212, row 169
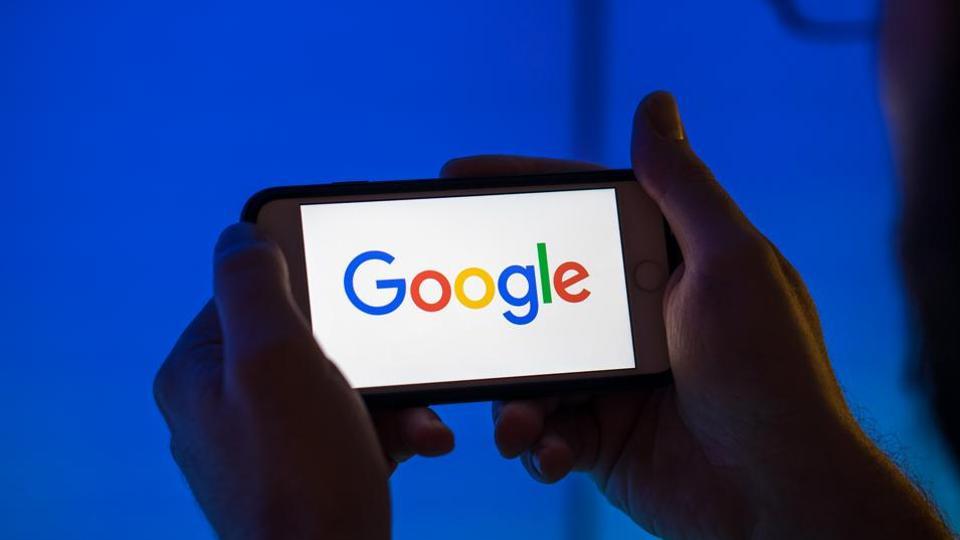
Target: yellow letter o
column 487, row 283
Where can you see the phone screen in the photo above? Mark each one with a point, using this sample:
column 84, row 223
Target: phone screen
column 463, row 288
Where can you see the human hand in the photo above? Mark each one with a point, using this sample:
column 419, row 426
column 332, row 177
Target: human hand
column 272, row 440
column 753, row 438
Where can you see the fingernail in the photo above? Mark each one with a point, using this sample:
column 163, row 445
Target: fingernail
column 662, row 114
column 535, row 462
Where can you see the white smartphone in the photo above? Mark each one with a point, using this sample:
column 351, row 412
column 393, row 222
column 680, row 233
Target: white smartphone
column 431, row 291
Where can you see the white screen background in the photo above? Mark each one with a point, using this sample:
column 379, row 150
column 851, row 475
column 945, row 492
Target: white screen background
column 411, row 346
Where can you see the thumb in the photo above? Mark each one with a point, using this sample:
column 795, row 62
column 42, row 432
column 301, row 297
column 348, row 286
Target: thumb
column 702, row 215
column 252, row 294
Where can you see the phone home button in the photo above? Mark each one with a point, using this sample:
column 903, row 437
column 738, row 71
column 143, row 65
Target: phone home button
column 648, row 276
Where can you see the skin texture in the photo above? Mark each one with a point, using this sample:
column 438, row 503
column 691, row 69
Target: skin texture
column 754, row 438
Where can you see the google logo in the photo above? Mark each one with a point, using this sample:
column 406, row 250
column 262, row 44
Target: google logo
column 564, row 277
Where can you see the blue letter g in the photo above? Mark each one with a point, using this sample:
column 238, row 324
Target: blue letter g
column 399, row 284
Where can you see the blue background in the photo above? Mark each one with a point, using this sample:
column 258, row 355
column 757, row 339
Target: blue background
column 131, row 133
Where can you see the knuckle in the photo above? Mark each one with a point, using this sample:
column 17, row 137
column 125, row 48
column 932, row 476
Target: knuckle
column 455, row 167
column 164, row 385
column 682, row 166
column 755, row 250
column 745, row 253
column 179, row 455
column 692, row 168
column 185, row 383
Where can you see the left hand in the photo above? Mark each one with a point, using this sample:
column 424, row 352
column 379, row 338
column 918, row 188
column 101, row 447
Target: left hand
column 753, row 438
column 270, row 436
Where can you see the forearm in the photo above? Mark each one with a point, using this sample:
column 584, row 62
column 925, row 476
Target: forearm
column 843, row 486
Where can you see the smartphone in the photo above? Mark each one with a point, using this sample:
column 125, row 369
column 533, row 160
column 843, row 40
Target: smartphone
column 451, row 290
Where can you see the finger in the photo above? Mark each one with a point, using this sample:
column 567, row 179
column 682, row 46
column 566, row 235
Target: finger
column 194, row 358
column 570, row 441
column 519, row 424
column 702, row 215
column 550, row 461
column 414, row 431
column 254, row 302
column 505, row 165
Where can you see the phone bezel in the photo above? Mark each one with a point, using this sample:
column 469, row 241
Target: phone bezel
column 285, row 228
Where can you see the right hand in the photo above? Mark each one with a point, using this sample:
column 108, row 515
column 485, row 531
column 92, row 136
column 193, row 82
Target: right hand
column 270, row 436
column 753, row 438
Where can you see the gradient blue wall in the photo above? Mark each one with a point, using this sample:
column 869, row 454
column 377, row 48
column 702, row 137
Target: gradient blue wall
column 132, row 133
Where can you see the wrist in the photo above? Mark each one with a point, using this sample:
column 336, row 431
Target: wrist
column 305, row 513
column 837, row 483
column 349, row 524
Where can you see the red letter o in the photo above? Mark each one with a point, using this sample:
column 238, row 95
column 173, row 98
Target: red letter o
column 444, row 290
